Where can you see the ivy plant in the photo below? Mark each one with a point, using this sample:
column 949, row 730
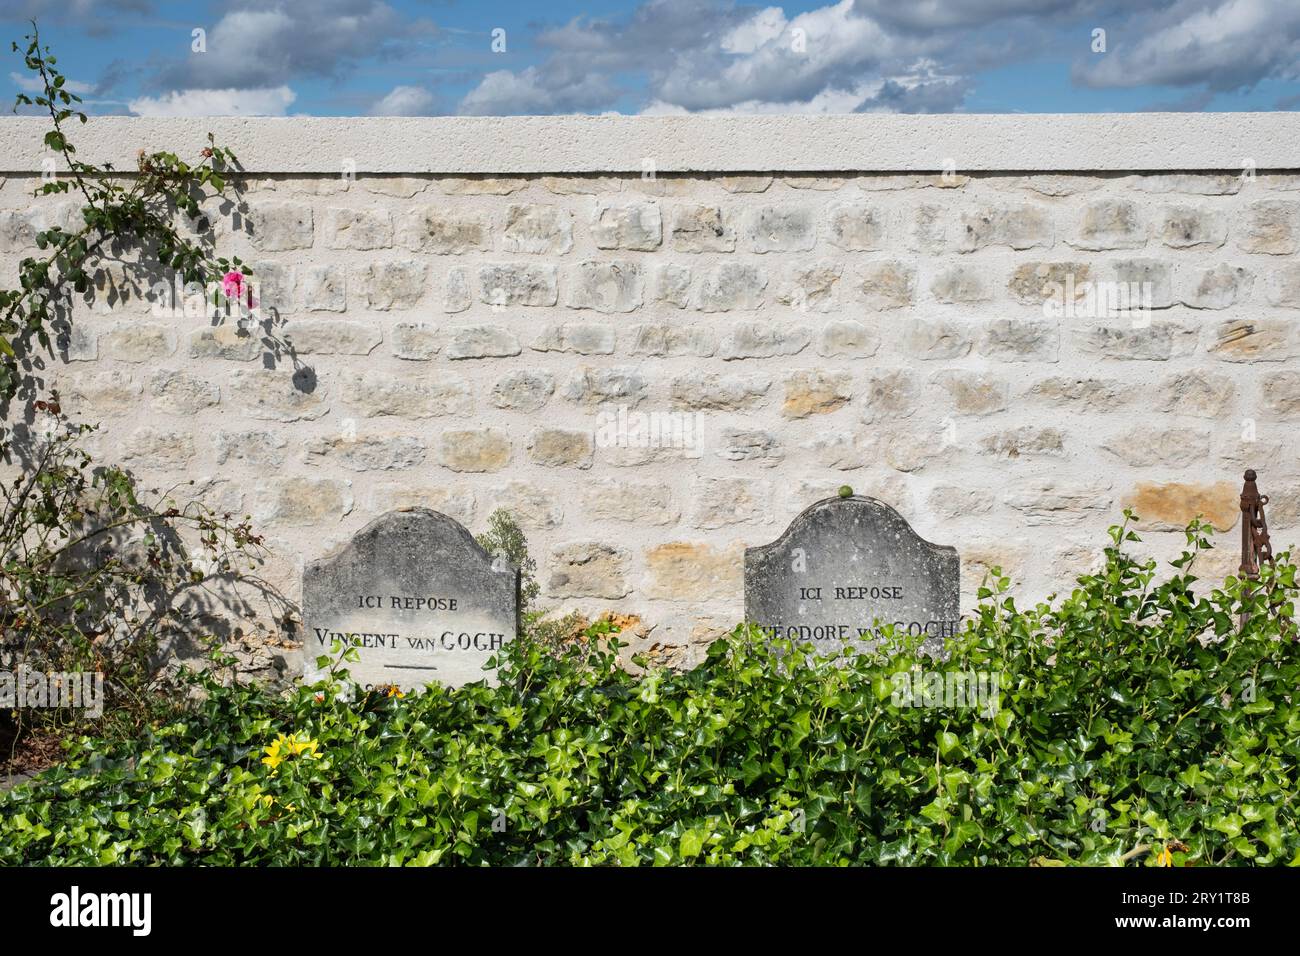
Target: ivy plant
column 1136, row 723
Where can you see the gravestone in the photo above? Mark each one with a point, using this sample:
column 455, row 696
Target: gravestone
column 844, row 564
column 417, row 597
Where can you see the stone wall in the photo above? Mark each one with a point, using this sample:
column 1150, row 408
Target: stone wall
column 472, row 342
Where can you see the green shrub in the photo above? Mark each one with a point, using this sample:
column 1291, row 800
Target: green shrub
column 505, row 539
column 96, row 575
column 1137, row 723
column 542, row 626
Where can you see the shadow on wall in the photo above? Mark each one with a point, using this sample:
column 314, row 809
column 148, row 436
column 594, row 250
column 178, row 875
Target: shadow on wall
column 101, row 574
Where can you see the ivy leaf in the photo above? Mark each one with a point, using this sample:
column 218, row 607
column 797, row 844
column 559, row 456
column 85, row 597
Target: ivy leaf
column 692, row 842
column 949, row 743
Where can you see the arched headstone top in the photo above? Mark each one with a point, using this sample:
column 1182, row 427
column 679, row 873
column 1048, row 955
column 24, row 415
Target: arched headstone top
column 844, row 568
column 417, row 596
column 450, row 533
column 874, row 510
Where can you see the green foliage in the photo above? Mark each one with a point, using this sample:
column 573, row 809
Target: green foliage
column 555, row 631
column 1137, row 724
column 539, row 625
column 504, row 538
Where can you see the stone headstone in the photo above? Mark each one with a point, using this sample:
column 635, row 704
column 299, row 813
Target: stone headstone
column 842, row 566
column 417, row 597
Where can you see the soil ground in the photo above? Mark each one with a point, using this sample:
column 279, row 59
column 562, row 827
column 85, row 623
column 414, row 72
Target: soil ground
column 32, row 752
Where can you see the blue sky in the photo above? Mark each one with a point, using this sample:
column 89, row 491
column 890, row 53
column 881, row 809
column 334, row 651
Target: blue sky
column 441, row 57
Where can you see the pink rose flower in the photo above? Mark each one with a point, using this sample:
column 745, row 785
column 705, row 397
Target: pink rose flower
column 232, row 285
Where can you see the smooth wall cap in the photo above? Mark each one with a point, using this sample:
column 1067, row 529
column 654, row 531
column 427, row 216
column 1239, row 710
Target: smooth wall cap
column 1085, row 142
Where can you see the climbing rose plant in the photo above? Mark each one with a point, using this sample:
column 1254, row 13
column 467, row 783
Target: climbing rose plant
column 93, row 568
column 139, row 210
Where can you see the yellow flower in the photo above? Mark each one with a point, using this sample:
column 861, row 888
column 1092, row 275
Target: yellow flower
column 270, row 803
column 1164, row 857
column 284, row 747
column 275, row 752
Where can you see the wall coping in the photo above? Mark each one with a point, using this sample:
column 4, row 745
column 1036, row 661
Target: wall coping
column 1091, row 142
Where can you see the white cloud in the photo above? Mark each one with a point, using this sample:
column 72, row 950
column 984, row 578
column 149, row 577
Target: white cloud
column 738, row 55
column 505, row 91
column 838, row 50
column 266, row 43
column 531, row 91
column 827, row 101
column 1223, row 45
column 34, row 84
column 897, row 55
column 922, row 91
column 270, row 101
column 763, row 27
column 405, row 101
column 923, row 15
column 710, row 55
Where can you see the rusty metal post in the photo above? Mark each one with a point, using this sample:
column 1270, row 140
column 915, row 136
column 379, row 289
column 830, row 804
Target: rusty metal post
column 1255, row 545
column 1249, row 508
